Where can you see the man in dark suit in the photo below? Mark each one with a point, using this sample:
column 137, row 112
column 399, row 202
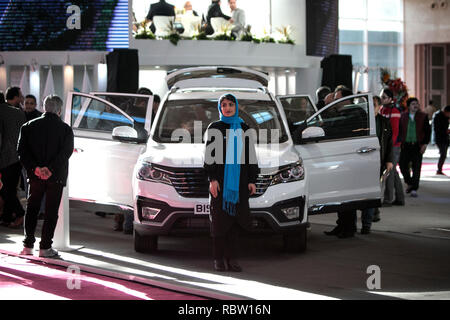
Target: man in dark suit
column 440, row 126
column 214, row 11
column 161, row 8
column 30, row 108
column 47, row 171
column 11, row 119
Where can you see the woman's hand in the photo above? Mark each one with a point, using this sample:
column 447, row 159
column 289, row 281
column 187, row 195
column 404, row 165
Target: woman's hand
column 252, row 188
column 214, row 188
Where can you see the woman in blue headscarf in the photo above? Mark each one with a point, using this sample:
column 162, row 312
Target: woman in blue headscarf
column 232, row 170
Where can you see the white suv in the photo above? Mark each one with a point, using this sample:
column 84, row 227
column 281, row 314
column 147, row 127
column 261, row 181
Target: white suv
column 332, row 165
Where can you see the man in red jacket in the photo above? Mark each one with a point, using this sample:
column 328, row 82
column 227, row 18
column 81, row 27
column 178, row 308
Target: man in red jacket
column 393, row 182
column 415, row 132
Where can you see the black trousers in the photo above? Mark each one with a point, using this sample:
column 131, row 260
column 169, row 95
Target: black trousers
column 10, row 179
column 225, row 247
column 347, row 221
column 53, row 192
column 411, row 164
column 443, row 147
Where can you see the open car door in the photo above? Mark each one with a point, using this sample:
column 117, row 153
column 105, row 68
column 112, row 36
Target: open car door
column 111, row 130
column 341, row 153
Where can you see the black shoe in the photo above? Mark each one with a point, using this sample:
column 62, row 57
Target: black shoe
column 219, row 265
column 409, row 189
column 232, row 265
column 365, row 230
column 333, row 232
column 346, row 234
column 398, row 203
column 387, row 204
column 376, row 219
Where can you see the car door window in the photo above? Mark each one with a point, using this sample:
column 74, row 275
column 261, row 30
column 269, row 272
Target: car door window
column 346, row 118
column 297, row 110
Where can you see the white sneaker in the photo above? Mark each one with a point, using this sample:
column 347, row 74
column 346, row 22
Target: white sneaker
column 48, row 253
column 26, row 251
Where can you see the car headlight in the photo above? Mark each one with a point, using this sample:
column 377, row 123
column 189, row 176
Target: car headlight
column 149, row 173
column 291, row 173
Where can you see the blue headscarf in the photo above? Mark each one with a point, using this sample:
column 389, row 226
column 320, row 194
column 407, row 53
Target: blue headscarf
column 233, row 158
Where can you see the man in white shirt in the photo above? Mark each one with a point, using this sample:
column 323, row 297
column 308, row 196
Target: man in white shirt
column 238, row 19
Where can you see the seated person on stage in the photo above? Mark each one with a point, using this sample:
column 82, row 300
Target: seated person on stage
column 214, row 11
column 162, row 8
column 237, row 18
column 188, row 9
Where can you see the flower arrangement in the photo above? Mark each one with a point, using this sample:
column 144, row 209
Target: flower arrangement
column 397, row 86
column 285, row 32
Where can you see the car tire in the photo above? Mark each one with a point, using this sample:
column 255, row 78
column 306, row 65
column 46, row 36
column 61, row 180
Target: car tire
column 295, row 242
column 145, row 244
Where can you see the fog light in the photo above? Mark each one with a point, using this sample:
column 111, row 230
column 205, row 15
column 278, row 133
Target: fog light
column 149, row 213
column 291, row 213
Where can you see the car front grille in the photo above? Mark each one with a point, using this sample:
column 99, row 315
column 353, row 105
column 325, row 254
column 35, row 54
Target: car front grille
column 193, row 182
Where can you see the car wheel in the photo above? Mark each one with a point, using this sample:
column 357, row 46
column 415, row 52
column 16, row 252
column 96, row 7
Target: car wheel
column 295, row 242
column 145, row 244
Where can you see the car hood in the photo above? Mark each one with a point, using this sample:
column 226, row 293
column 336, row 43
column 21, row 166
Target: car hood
column 184, row 155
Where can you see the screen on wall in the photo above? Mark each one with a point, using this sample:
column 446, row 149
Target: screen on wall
column 63, row 25
column 322, row 29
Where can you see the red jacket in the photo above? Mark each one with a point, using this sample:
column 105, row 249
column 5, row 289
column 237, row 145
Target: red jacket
column 423, row 128
column 393, row 114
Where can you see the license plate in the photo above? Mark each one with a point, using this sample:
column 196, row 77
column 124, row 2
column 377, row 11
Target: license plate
column 201, row 209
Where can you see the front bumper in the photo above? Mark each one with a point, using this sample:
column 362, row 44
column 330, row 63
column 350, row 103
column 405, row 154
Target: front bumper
column 171, row 220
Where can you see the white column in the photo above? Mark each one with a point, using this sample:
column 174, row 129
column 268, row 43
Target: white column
column 102, row 77
column 3, row 78
column 35, row 84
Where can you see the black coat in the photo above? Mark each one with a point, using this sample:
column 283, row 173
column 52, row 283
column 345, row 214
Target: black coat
column 440, row 125
column 384, row 133
column 46, row 142
column 214, row 11
column 162, row 8
column 221, row 221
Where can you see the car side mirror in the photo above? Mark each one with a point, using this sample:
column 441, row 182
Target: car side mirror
column 126, row 134
column 313, row 132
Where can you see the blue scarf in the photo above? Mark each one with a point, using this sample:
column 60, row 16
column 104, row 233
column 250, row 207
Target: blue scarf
column 232, row 162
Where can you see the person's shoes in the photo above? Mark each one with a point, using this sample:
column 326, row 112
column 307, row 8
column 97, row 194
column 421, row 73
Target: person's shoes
column 409, row 189
column 219, row 265
column 398, row 203
column 16, row 224
column 440, row 173
column 345, row 235
column 386, row 204
column 48, row 253
column 333, row 232
column 414, row 194
column 26, row 251
column 232, row 265
column 376, row 219
column 365, row 230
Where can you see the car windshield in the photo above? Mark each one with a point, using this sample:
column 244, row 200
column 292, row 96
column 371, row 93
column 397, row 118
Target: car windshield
column 194, row 116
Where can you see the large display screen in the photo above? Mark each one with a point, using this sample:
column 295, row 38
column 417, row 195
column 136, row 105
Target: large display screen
column 63, row 25
column 322, row 27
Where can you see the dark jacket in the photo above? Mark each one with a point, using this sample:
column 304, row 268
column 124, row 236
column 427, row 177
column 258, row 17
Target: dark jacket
column 33, row 114
column 384, row 134
column 214, row 11
column 46, row 142
column 440, row 124
column 162, row 8
column 221, row 221
column 423, row 128
column 11, row 119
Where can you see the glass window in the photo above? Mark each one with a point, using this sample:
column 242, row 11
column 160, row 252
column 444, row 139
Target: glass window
column 351, row 36
column 437, row 56
column 385, row 9
column 297, row 110
column 352, row 9
column 346, row 119
column 385, row 56
column 193, row 114
column 96, row 115
column 385, row 37
column 355, row 50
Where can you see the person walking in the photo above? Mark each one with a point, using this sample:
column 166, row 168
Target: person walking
column 415, row 132
column 440, row 126
column 232, row 170
column 394, row 187
column 47, row 171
